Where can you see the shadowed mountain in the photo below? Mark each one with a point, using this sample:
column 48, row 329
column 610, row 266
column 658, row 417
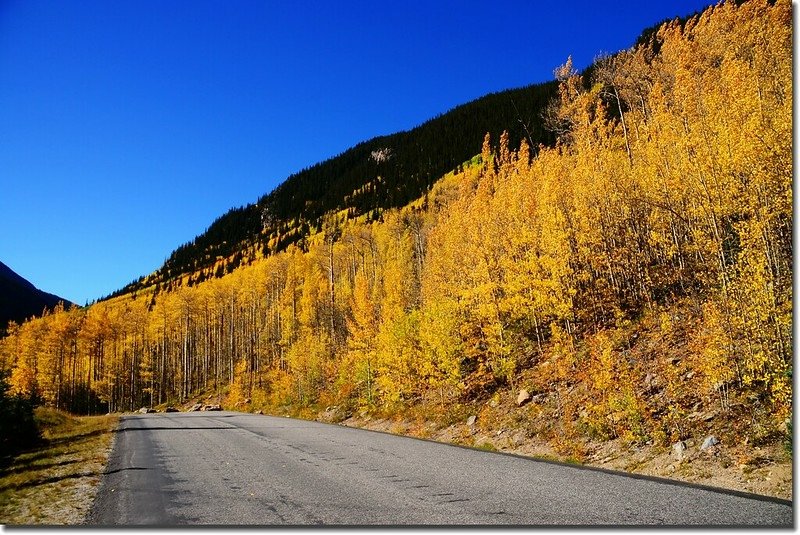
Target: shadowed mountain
column 19, row 299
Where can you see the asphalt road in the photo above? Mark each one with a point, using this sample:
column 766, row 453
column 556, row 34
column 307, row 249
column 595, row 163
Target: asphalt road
column 227, row 468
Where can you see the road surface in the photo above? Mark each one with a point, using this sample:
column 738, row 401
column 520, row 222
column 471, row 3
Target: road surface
column 228, row 468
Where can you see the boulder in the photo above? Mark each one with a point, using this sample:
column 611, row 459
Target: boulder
column 171, row 409
column 523, row 397
column 146, row 410
column 332, row 414
column 471, row 420
column 259, row 412
column 196, row 407
column 213, row 408
column 785, row 426
column 709, row 442
column 679, row 450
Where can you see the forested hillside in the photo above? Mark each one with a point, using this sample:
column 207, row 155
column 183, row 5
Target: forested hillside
column 633, row 273
column 382, row 173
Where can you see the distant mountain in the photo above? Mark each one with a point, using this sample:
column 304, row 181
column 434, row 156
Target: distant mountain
column 19, row 299
column 381, row 173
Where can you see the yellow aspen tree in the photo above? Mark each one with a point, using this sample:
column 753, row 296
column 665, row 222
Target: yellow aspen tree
column 24, row 376
column 440, row 348
column 362, row 345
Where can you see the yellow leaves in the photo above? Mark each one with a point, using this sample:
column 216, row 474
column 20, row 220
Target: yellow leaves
column 306, row 359
column 565, row 72
column 440, row 344
column 238, row 391
column 397, row 377
column 665, row 323
column 766, row 357
column 563, row 357
column 615, row 406
column 487, row 156
column 713, row 356
column 363, row 320
column 359, row 363
column 23, row 379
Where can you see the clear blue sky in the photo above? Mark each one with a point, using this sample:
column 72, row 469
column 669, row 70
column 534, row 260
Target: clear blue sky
column 127, row 127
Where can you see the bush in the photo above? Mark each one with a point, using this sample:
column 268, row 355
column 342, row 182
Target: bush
column 18, row 429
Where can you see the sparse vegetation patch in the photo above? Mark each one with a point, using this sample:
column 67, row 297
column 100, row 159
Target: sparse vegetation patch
column 55, row 484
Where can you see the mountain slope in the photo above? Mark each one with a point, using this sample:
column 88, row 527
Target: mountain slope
column 382, row 173
column 19, row 299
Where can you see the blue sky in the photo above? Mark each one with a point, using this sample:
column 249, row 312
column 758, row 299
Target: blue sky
column 127, row 127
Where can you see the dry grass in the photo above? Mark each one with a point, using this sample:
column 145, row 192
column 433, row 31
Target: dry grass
column 56, row 483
